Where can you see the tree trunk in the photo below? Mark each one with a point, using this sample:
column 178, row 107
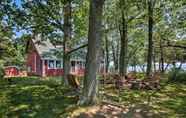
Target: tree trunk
column 124, row 42
column 115, row 54
column 67, row 37
column 150, row 41
column 90, row 87
column 161, row 57
column 154, row 60
column 107, row 54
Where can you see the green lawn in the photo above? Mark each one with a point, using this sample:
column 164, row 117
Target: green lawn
column 31, row 97
column 169, row 102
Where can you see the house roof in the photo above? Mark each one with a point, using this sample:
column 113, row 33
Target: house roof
column 48, row 51
column 45, row 48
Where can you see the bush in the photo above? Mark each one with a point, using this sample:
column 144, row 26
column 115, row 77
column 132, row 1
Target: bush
column 2, row 73
column 140, row 75
column 177, row 75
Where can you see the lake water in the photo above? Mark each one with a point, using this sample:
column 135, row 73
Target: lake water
column 143, row 68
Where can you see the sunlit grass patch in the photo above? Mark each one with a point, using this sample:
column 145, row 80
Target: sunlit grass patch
column 42, row 98
column 169, row 101
column 33, row 97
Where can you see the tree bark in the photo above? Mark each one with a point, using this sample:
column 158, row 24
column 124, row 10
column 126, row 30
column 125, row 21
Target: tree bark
column 161, row 57
column 154, row 61
column 150, row 41
column 107, row 54
column 90, row 88
column 67, row 37
column 124, row 42
column 115, row 54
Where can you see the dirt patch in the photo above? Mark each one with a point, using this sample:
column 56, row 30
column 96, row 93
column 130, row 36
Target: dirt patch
column 100, row 111
column 114, row 111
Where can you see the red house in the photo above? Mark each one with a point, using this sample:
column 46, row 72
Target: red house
column 43, row 61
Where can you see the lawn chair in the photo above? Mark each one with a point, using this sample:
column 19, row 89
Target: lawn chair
column 73, row 81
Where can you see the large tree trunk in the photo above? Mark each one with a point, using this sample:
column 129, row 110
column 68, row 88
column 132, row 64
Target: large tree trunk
column 150, row 41
column 94, row 47
column 124, row 42
column 67, row 37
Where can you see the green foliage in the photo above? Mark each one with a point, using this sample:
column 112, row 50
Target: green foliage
column 11, row 51
column 140, row 75
column 1, row 70
column 177, row 75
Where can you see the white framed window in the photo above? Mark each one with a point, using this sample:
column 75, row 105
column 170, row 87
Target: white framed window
column 51, row 64
column 59, row 64
column 55, row 64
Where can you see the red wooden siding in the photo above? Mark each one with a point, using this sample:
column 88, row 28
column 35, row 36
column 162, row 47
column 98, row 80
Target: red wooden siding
column 33, row 64
column 52, row 72
column 36, row 66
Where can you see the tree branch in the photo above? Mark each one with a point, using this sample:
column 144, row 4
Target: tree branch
column 80, row 47
column 135, row 17
column 176, row 46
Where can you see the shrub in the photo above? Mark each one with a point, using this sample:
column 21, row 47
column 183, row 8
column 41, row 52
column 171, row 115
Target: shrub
column 140, row 75
column 2, row 73
column 177, row 75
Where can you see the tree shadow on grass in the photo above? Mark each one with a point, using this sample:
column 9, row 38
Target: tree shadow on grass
column 112, row 111
column 177, row 100
column 168, row 102
column 177, row 106
column 35, row 100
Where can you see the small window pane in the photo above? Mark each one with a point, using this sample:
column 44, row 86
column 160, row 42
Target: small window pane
column 51, row 64
column 58, row 64
column 73, row 63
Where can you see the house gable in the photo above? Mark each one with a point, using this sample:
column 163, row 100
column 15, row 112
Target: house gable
column 42, row 59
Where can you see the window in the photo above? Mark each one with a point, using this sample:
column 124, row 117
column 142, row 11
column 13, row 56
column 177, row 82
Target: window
column 58, row 64
column 51, row 64
column 73, row 63
column 82, row 64
column 55, row 64
column 29, row 69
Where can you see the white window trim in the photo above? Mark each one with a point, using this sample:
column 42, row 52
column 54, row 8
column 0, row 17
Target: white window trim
column 35, row 58
column 43, row 67
column 61, row 64
column 54, row 64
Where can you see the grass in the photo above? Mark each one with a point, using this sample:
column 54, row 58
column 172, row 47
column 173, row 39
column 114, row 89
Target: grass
column 169, row 102
column 36, row 98
column 31, row 97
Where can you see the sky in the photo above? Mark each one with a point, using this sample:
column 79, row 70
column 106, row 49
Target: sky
column 18, row 3
column 18, row 33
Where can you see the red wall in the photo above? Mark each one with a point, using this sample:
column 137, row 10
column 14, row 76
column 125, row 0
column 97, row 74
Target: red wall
column 30, row 61
column 59, row 72
column 52, row 72
column 34, row 62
